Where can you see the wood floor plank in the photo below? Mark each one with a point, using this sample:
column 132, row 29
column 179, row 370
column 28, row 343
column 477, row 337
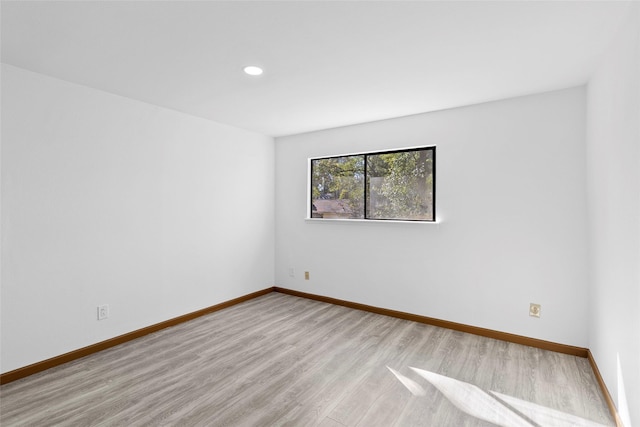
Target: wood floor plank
column 388, row 406
column 282, row 360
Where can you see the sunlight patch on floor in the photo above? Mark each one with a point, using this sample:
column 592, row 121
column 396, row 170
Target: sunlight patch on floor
column 497, row 408
column 415, row 388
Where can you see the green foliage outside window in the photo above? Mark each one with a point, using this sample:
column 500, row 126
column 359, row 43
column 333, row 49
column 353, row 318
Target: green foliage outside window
column 395, row 185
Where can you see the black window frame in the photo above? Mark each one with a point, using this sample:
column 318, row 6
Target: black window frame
column 366, row 188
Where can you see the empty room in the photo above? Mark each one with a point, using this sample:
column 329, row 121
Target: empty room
column 320, row 213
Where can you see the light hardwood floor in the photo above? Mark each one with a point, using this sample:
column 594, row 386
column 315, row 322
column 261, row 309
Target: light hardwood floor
column 283, row 360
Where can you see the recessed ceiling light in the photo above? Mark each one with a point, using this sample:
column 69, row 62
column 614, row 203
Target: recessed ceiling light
column 252, row 70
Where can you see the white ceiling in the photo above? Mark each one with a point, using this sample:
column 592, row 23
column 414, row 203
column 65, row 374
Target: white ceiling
column 327, row 63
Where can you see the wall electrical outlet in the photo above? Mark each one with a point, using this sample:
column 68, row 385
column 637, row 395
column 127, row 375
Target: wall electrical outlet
column 103, row 311
column 292, row 272
column 534, row 310
column 306, row 275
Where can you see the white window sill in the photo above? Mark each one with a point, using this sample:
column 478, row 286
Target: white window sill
column 369, row 221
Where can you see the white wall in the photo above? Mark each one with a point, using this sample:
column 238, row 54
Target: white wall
column 613, row 173
column 511, row 198
column 107, row 200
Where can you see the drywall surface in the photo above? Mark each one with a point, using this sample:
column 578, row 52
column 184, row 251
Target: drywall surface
column 511, row 203
column 107, row 200
column 613, row 176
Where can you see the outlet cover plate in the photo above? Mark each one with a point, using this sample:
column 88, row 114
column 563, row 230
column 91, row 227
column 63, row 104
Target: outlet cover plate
column 534, row 310
column 103, row 311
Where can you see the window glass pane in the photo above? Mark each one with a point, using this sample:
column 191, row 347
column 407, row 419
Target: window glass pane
column 337, row 186
column 400, row 185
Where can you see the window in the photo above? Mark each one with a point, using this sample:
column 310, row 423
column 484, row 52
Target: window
column 387, row 185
